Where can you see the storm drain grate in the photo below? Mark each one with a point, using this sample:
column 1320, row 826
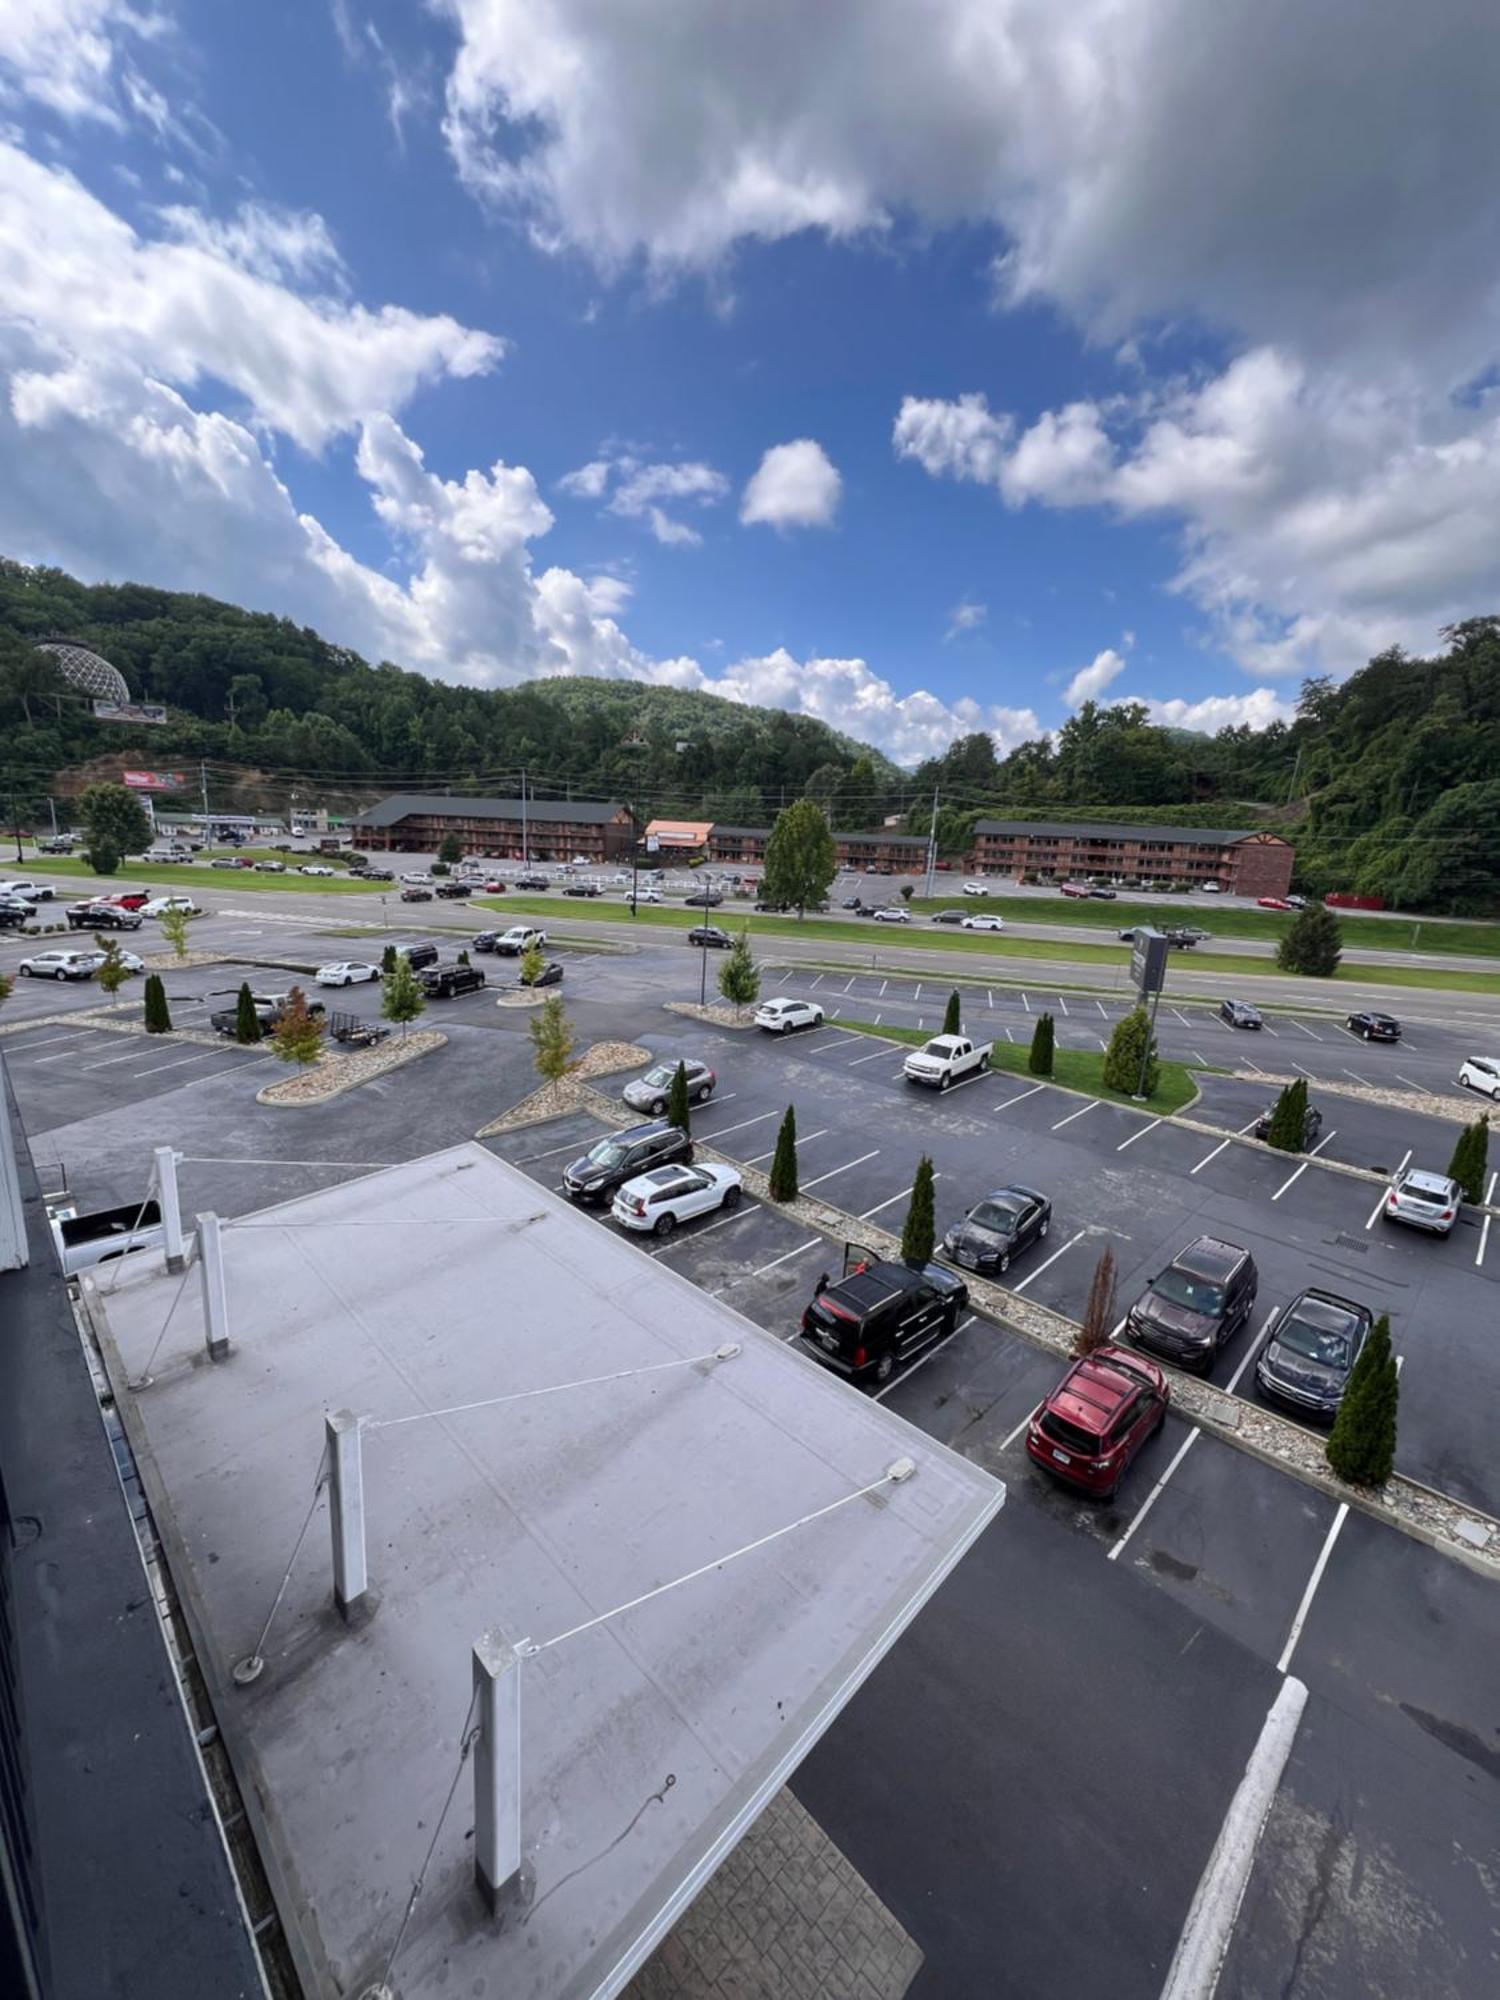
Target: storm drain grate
column 1343, row 1242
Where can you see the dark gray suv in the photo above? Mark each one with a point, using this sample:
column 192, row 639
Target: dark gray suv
column 620, row 1156
column 1198, row 1303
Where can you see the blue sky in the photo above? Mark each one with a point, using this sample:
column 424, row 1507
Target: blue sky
column 922, row 380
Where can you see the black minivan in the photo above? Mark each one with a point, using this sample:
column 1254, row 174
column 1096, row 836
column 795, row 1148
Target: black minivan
column 879, row 1316
column 620, row 1156
column 1201, row 1300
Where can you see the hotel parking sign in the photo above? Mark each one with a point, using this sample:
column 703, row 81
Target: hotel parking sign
column 1148, row 961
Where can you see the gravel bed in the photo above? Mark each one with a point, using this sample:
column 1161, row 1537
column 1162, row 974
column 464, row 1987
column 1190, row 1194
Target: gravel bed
column 571, row 1093
column 330, row 1076
column 716, row 1014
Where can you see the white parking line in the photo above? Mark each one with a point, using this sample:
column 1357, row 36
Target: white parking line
column 883, row 985
column 1025, row 1002
column 1138, row 1134
column 1484, row 1233
column 840, row 1170
column 203, row 1055
column 851, row 983
column 874, row 1055
column 1092, row 1105
column 1032, row 1276
column 838, row 1042
column 1010, row 1437
column 723, row 1223
column 72, row 1035
column 1406, row 1079
column 1311, row 1156
column 1019, row 1096
column 1270, row 1031
column 1306, row 1031
column 878, row 1019
column 720, row 1131
column 1359, row 1079
column 890, row 1201
column 990, row 997
column 1062, row 1003
column 1304, row 1072
column 1380, row 1203
column 800, row 1251
column 817, row 982
column 1151, row 1498
column 1313, row 1581
column 1100, row 1005
column 1209, row 1156
column 1182, row 1017
column 881, row 1393
column 803, row 1139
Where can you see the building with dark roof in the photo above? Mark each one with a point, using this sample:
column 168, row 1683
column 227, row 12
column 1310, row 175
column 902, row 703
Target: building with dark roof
column 505, row 829
column 1241, row 863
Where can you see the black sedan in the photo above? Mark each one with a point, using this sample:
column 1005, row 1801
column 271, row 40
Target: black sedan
column 581, row 889
column 416, row 895
column 710, row 936
column 949, row 916
column 1305, row 1364
column 549, row 973
column 1375, row 1027
column 452, row 890
column 1102, row 895
column 1312, row 1125
column 998, row 1229
column 534, row 883
column 484, row 940
column 707, row 899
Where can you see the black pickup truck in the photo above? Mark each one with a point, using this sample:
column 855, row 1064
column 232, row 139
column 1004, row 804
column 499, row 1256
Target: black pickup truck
column 442, row 982
column 269, row 1008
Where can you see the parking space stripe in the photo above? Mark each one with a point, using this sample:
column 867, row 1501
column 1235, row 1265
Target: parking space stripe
column 880, row 1394
column 1032, row 1276
column 203, row 1055
column 1150, row 1500
column 1359, row 1079
column 130, row 1055
column 803, row 1139
column 1300, row 1619
column 1019, row 1096
column 1380, row 1204
column 1025, row 1002
column 1093, row 1105
column 1270, row 1031
column 1209, row 1156
column 874, row 1055
column 1306, row 1031
column 719, row 1132
column 72, row 1035
column 723, row 1222
column 1484, row 1233
column 1010, row 1436
column 883, row 985
column 1202, row 1058
column 890, row 1201
column 841, row 1170
column 838, row 1042
column 1182, row 1017
column 1312, row 1155
column 1100, row 1005
column 1406, row 1079
column 1304, row 1072
column 1140, row 1133
column 800, row 1251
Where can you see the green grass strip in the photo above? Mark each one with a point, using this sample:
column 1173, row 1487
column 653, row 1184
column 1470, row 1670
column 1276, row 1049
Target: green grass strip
column 194, row 875
column 1074, row 1069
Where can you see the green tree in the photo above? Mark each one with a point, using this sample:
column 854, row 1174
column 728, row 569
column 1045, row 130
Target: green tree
column 920, row 1230
column 1043, row 1046
column 678, row 1112
column 906, row 891
column 1132, row 1041
column 739, row 977
column 1312, row 944
column 452, row 851
column 174, row 928
column 441, row 868
column 532, row 961
column 101, row 857
column 953, row 1019
column 112, row 974
column 1471, row 1158
column 298, row 1035
column 114, row 818
column 158, row 1019
column 1288, row 1129
column 7, row 987
column 1362, row 1443
column 401, row 997
column 783, row 1175
column 388, row 961
column 464, row 959
column 801, row 857
column 1099, row 1313
column 246, row 1019
column 552, row 1041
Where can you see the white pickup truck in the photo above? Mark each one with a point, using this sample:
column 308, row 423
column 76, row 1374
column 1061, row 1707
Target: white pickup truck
column 946, row 1059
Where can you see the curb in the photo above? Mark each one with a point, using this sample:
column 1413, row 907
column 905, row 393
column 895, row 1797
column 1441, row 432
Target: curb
column 387, row 1060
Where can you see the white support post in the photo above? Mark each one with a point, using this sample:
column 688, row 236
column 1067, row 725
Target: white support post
column 497, row 1769
column 346, row 1513
column 171, row 1208
column 215, row 1292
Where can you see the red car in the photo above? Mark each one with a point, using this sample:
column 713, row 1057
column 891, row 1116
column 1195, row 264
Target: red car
column 1076, row 889
column 1098, row 1417
column 130, row 899
column 494, row 888
column 1274, row 903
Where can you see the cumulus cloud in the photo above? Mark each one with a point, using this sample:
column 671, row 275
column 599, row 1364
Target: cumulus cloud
column 796, row 485
column 1091, row 681
column 62, row 53
column 201, row 303
column 1256, row 710
column 639, row 489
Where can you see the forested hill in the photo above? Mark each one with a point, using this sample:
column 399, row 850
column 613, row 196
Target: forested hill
column 1388, row 783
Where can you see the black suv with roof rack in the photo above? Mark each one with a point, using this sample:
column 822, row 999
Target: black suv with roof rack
column 620, row 1156
column 1201, row 1300
column 442, row 982
column 879, row 1316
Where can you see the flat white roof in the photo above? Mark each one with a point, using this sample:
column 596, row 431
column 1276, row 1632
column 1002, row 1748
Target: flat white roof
column 448, row 1282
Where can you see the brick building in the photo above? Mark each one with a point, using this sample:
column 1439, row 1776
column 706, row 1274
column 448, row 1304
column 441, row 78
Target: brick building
column 507, row 829
column 738, row 846
column 1243, row 864
column 905, row 852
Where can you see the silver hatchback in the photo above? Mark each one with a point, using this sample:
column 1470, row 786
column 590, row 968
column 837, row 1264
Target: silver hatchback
column 1423, row 1200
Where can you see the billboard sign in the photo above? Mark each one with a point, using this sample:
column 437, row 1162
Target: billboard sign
column 153, row 781
column 1148, row 961
column 129, row 711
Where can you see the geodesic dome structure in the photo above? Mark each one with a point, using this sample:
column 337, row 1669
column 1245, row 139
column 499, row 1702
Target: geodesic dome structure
column 86, row 671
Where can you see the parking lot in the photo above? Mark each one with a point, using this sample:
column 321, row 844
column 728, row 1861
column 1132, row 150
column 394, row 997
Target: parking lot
column 1177, row 1606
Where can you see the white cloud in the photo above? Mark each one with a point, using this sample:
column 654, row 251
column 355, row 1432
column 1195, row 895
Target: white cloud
column 796, row 485
column 1090, row 682
column 966, row 616
column 99, row 296
column 639, row 489
column 61, row 53
column 1256, row 710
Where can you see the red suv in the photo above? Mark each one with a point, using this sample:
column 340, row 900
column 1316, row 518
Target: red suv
column 130, row 899
column 1098, row 1417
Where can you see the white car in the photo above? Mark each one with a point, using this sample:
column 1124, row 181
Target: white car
column 1212, row 888
column 893, row 913
column 61, row 965
column 27, row 891
column 976, row 888
column 1482, row 1073
column 347, row 972
column 313, row 868
column 520, row 938
column 159, row 905
column 984, row 923
column 417, row 881
column 656, row 1202
column 780, row 1017
column 131, row 960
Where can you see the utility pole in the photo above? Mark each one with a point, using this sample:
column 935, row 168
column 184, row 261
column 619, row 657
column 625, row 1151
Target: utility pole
column 525, row 834
column 932, row 843
column 52, row 808
column 203, row 784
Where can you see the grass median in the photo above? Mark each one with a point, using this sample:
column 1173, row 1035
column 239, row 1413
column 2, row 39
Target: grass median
column 195, row 875
column 1237, row 973
column 1073, row 1069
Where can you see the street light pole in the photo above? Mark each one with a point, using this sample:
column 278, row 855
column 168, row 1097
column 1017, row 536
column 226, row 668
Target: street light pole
column 703, row 973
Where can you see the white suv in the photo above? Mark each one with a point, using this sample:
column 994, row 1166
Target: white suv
column 1481, row 1073
column 779, row 1017
column 892, row 913
column 654, row 1203
column 520, row 938
column 62, row 965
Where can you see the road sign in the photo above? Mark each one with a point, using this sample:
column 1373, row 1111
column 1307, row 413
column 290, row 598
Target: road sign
column 1148, row 961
